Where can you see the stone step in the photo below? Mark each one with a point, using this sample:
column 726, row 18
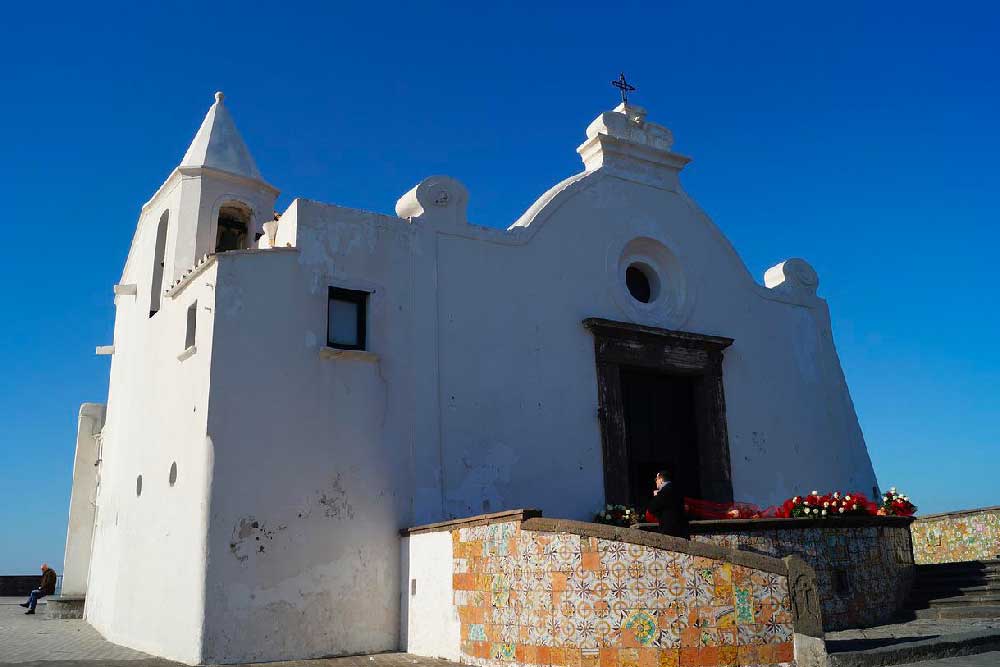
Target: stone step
column 943, row 591
column 963, row 566
column 968, row 599
column 972, row 611
column 64, row 606
column 956, row 582
column 959, row 576
column 942, row 571
column 902, row 651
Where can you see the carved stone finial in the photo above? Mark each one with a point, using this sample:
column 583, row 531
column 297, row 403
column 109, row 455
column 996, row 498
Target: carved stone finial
column 794, row 276
column 624, row 142
column 219, row 97
column 440, row 199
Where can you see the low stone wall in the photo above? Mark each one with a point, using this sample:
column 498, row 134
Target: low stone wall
column 17, row 585
column 864, row 565
column 532, row 591
column 957, row 536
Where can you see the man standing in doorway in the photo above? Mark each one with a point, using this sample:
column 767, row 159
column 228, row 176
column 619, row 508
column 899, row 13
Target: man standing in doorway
column 667, row 506
column 47, row 587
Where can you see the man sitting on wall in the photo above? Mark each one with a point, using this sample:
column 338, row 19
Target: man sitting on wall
column 47, row 587
column 667, row 506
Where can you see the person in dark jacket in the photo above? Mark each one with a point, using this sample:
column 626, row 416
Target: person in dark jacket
column 47, row 587
column 667, row 506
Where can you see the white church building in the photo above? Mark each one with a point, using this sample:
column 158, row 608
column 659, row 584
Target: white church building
column 287, row 392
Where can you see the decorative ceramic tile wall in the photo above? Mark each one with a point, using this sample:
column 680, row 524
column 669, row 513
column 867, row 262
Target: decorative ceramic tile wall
column 957, row 537
column 538, row 598
column 863, row 573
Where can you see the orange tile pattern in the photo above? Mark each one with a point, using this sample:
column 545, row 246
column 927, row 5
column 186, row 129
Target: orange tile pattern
column 964, row 537
column 532, row 598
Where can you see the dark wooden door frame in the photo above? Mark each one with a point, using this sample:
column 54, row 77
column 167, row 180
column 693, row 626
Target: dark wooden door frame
column 620, row 344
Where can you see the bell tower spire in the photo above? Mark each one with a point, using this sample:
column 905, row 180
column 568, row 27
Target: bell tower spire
column 224, row 200
column 218, row 145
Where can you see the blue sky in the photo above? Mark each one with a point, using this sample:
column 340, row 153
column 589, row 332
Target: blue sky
column 860, row 136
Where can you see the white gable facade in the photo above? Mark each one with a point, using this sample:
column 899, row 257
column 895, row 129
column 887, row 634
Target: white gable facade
column 253, row 475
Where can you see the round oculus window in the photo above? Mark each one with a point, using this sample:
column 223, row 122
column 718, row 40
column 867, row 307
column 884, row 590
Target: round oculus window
column 638, row 284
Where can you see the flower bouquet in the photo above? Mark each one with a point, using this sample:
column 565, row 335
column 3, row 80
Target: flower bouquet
column 816, row 506
column 896, row 504
column 617, row 515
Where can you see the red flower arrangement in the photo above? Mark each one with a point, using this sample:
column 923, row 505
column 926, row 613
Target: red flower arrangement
column 816, row 506
column 810, row 506
column 896, row 504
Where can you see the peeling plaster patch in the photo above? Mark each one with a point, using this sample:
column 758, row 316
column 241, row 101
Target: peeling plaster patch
column 334, row 501
column 249, row 536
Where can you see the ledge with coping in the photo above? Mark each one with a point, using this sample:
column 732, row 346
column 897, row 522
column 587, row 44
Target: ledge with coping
column 476, row 520
column 657, row 541
column 806, row 615
column 754, row 525
column 531, row 519
column 207, row 260
column 958, row 513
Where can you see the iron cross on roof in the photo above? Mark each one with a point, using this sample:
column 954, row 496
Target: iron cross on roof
column 623, row 86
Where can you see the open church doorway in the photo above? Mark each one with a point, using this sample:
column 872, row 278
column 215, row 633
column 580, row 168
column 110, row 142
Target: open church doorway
column 661, row 405
column 661, row 433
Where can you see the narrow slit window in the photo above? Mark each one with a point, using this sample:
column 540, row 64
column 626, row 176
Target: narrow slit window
column 159, row 250
column 192, row 326
column 346, row 319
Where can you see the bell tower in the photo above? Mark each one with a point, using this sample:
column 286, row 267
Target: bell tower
column 224, row 202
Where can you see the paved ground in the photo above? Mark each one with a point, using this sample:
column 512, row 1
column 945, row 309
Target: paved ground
column 991, row 659
column 33, row 641
column 899, row 633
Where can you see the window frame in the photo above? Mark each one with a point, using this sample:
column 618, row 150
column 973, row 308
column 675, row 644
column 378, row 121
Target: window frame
column 359, row 297
column 191, row 326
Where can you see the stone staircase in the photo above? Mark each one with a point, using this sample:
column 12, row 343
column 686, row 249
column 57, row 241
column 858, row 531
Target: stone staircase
column 969, row 589
column 953, row 610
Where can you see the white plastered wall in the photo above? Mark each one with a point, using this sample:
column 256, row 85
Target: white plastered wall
column 147, row 574
column 83, row 500
column 310, row 481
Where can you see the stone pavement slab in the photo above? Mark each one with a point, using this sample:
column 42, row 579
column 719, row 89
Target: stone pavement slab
column 991, row 659
column 34, row 641
column 897, row 633
column 926, row 640
column 37, row 640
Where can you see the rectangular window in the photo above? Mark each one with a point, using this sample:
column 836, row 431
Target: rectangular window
column 346, row 319
column 192, row 324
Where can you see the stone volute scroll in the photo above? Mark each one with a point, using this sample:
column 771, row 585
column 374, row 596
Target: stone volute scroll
column 440, row 200
column 794, row 277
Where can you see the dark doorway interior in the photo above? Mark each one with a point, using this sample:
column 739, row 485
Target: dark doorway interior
column 661, row 432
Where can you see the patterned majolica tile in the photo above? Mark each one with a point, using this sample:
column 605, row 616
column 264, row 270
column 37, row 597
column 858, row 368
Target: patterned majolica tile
column 559, row 599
